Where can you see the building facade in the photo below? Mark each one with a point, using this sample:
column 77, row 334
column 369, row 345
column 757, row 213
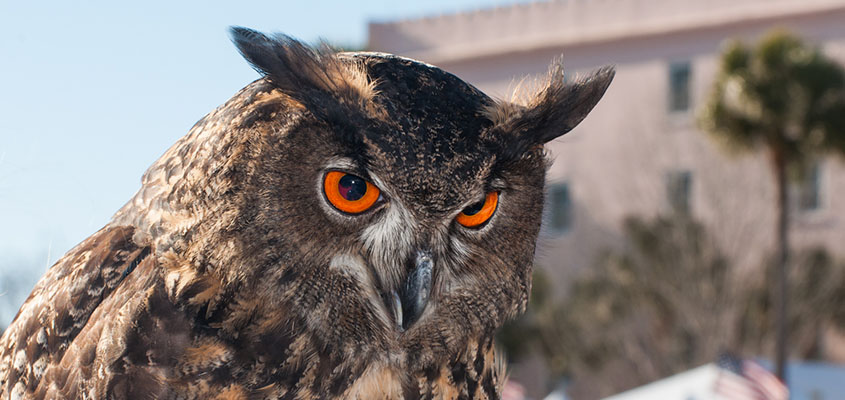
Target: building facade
column 640, row 152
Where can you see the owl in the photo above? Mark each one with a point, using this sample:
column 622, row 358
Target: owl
column 348, row 226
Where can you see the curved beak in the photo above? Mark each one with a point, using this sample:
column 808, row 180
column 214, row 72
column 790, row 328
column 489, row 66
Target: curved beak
column 409, row 304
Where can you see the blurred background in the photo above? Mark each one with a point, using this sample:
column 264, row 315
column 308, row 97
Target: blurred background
column 708, row 176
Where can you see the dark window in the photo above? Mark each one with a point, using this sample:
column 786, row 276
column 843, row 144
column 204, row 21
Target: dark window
column 560, row 208
column 808, row 190
column 678, row 189
column 679, row 83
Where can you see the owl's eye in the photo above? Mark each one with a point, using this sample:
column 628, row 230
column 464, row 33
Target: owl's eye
column 349, row 193
column 478, row 213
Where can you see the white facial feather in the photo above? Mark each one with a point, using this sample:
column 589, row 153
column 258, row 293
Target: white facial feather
column 389, row 242
column 356, row 269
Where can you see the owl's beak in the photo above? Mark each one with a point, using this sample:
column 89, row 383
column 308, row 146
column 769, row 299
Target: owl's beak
column 410, row 303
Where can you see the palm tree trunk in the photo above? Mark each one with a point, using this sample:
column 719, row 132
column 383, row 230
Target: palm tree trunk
column 779, row 291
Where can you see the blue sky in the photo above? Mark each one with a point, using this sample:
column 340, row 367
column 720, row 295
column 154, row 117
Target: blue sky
column 92, row 92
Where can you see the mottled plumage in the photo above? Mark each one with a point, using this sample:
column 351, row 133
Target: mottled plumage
column 230, row 275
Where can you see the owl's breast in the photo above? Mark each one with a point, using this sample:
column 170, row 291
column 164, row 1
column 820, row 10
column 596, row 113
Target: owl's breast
column 475, row 373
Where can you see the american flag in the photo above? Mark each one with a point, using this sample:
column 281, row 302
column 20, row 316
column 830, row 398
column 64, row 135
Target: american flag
column 747, row 380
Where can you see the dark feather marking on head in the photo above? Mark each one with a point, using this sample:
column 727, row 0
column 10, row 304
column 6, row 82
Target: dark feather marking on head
column 555, row 110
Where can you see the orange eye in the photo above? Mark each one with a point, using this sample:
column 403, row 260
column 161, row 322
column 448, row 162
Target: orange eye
column 480, row 212
column 349, row 193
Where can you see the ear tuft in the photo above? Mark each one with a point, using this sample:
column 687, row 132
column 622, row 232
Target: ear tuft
column 564, row 105
column 302, row 71
column 554, row 110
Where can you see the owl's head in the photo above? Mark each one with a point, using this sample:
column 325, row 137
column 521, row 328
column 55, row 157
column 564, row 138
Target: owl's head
column 375, row 202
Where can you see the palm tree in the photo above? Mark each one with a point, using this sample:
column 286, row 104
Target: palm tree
column 787, row 99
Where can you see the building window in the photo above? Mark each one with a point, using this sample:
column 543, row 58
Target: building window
column 678, row 190
column 679, row 86
column 808, row 188
column 560, row 208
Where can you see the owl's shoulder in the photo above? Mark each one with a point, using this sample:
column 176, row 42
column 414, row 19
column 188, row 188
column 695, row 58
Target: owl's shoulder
column 54, row 339
column 117, row 319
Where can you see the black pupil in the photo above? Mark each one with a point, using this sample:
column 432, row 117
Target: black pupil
column 352, row 187
column 474, row 209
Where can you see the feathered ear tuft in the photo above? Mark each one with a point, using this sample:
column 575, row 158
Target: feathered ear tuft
column 553, row 111
column 301, row 71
